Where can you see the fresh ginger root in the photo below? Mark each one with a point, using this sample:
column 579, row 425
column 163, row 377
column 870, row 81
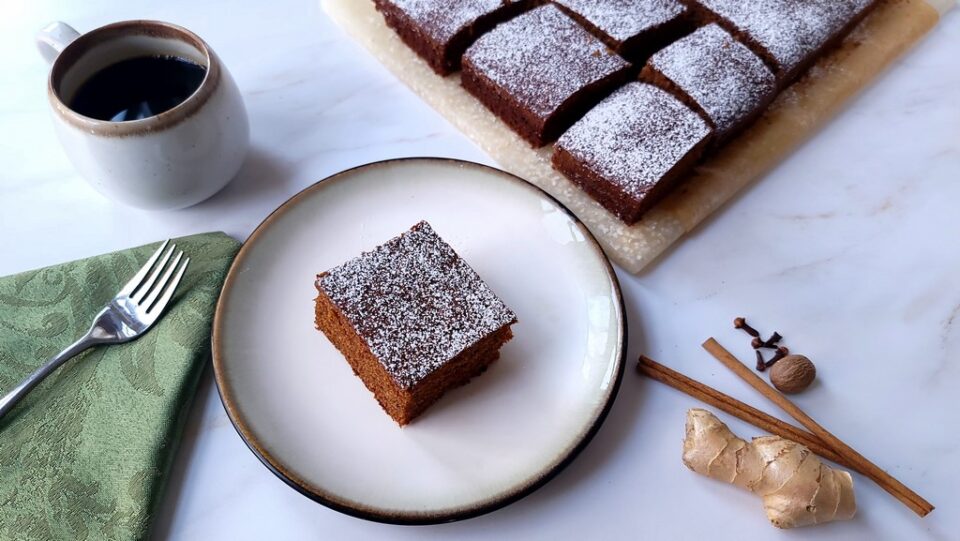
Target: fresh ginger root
column 797, row 488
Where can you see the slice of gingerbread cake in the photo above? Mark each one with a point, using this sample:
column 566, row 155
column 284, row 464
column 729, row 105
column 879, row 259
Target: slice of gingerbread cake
column 412, row 319
column 788, row 34
column 635, row 29
column 441, row 30
column 716, row 75
column 632, row 148
column 540, row 71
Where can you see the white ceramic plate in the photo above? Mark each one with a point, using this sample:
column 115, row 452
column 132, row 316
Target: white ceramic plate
column 297, row 404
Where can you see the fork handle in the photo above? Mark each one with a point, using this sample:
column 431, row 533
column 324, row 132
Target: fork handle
column 11, row 399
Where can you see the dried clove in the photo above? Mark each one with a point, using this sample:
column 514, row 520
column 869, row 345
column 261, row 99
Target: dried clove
column 741, row 323
column 761, row 365
column 759, row 343
column 770, row 343
column 782, row 352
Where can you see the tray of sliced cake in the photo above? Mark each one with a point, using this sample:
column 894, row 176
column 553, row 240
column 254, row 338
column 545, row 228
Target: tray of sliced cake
column 642, row 116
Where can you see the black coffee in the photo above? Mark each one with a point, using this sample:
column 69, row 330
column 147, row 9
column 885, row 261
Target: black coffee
column 138, row 88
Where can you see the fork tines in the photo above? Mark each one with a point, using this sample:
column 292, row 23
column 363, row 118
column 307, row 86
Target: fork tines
column 146, row 289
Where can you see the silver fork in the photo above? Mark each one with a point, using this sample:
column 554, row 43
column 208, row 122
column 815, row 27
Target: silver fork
column 126, row 317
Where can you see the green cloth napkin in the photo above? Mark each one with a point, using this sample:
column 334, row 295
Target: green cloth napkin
column 85, row 455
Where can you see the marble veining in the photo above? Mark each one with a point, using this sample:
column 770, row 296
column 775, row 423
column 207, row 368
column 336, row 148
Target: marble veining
column 848, row 248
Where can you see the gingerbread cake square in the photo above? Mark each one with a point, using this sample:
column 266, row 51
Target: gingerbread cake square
column 788, row 34
column 635, row 29
column 717, row 76
column 632, row 148
column 412, row 319
column 441, row 30
column 540, row 71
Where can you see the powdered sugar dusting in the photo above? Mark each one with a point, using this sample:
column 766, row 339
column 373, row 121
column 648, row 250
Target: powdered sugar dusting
column 723, row 76
column 415, row 303
column 790, row 30
column 442, row 19
column 621, row 20
column 541, row 58
column 635, row 136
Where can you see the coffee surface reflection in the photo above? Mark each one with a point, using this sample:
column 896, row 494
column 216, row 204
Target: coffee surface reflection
column 138, row 88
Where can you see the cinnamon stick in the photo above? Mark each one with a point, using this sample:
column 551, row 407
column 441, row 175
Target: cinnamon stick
column 738, row 409
column 897, row 489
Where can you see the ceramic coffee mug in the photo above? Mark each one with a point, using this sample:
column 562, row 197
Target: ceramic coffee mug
column 170, row 160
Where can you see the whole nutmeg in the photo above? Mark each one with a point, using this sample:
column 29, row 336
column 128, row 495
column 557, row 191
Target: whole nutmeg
column 792, row 374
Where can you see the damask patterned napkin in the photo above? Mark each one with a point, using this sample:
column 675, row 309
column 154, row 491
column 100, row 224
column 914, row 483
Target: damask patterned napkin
column 85, row 455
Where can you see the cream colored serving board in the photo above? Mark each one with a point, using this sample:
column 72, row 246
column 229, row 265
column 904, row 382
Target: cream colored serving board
column 797, row 114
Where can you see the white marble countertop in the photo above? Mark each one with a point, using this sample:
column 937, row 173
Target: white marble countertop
column 849, row 248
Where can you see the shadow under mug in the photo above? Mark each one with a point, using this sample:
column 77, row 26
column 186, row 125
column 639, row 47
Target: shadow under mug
column 171, row 160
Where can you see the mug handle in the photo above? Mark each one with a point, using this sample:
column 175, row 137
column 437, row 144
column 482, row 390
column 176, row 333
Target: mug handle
column 53, row 38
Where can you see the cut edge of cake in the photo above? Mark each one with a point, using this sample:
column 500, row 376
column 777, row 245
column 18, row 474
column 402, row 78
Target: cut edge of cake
column 405, row 400
column 518, row 111
column 638, row 46
column 737, row 70
column 445, row 57
column 605, row 151
column 703, row 14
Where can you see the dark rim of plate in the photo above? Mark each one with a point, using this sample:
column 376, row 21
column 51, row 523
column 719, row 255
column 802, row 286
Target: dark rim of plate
column 356, row 509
